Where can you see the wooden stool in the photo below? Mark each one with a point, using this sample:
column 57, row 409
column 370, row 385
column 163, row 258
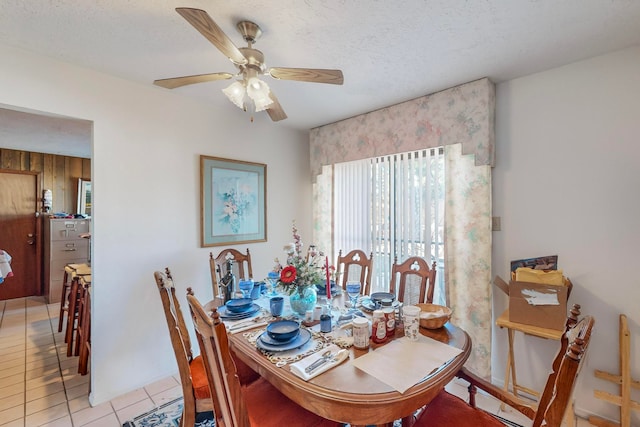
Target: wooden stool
column 69, row 272
column 72, row 311
column 83, row 333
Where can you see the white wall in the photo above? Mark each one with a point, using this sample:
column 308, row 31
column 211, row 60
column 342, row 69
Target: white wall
column 146, row 148
column 566, row 182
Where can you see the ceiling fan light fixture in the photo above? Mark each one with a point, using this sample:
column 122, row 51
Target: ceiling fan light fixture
column 258, row 91
column 235, row 92
column 262, row 104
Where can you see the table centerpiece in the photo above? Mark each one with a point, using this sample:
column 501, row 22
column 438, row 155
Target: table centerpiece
column 301, row 274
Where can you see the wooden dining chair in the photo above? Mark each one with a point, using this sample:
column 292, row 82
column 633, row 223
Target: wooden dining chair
column 450, row 410
column 413, row 281
column 193, row 377
column 241, row 266
column 242, row 405
column 355, row 265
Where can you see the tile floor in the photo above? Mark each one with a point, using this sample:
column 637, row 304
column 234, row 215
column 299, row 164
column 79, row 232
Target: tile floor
column 39, row 384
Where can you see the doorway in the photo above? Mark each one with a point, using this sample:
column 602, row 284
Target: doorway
column 20, row 231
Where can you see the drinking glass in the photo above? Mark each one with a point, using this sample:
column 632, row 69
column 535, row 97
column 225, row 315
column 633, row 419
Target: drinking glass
column 272, row 278
column 276, row 305
column 246, row 286
column 353, row 290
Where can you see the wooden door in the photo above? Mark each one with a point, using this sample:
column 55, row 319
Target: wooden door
column 20, row 233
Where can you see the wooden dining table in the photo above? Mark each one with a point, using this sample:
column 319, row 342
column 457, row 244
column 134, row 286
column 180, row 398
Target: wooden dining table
column 349, row 395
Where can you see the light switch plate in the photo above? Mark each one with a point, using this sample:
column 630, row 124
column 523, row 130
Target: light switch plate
column 495, row 223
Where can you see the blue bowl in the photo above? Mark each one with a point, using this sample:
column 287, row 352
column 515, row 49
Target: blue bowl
column 283, row 330
column 239, row 305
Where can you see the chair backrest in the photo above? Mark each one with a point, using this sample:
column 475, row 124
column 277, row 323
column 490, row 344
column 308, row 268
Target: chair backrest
column 179, row 334
column 557, row 393
column 241, row 266
column 413, row 281
column 229, row 406
column 355, row 266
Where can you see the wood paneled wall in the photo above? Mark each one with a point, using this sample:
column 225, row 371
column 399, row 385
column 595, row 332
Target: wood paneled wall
column 57, row 173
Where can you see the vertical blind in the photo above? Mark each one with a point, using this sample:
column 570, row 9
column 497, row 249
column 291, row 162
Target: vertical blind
column 393, row 207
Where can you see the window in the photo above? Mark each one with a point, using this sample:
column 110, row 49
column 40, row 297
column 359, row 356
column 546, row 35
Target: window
column 392, row 206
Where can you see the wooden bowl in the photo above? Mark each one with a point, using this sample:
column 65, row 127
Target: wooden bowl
column 427, row 312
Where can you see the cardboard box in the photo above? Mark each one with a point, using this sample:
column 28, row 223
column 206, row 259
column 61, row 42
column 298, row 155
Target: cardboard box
column 543, row 316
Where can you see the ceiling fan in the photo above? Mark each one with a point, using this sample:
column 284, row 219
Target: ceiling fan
column 248, row 92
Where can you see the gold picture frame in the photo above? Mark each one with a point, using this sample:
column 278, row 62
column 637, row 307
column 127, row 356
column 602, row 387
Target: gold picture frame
column 233, row 201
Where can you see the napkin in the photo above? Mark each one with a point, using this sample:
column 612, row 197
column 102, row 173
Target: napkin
column 298, row 368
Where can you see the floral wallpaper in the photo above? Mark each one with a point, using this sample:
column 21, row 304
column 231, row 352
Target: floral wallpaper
column 462, row 120
column 463, row 114
column 468, row 252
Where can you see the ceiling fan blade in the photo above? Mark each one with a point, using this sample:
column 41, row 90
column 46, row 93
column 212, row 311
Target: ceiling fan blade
column 202, row 22
column 175, row 82
column 333, row 77
column 275, row 110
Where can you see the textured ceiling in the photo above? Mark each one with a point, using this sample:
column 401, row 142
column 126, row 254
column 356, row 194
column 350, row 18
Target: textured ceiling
column 389, row 51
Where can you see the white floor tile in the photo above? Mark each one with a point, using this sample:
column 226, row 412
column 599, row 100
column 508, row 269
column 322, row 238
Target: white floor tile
column 87, row 415
column 12, row 379
column 167, row 395
column 61, row 422
column 130, row 412
column 46, row 416
column 6, row 364
column 46, row 402
column 12, row 414
column 78, row 404
column 42, row 371
column 11, row 390
column 129, row 399
column 160, row 386
column 11, row 401
column 15, row 423
column 78, row 391
column 51, row 378
column 109, row 421
column 43, row 391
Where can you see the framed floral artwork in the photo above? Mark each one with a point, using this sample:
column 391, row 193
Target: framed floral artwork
column 233, row 201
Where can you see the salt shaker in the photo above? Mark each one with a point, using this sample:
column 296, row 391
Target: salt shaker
column 325, row 323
